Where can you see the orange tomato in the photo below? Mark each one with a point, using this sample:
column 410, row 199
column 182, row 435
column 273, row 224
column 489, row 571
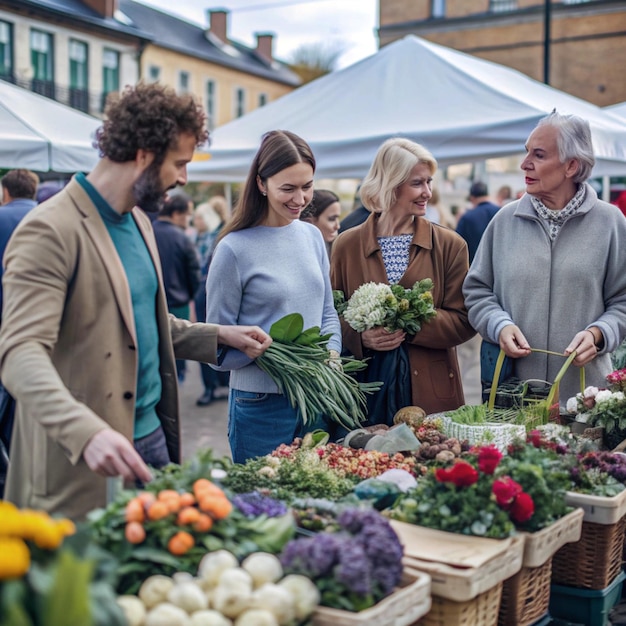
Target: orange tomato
column 135, row 511
column 167, row 493
column 204, row 523
column 134, row 532
column 187, row 499
column 180, row 543
column 158, row 510
column 203, row 486
column 188, row 515
column 218, row 507
column 146, row 498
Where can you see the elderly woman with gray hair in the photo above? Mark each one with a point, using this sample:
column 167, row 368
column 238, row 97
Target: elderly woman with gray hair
column 550, row 270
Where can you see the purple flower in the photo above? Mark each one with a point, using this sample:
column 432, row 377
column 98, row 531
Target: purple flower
column 354, row 569
column 311, row 556
column 254, row 504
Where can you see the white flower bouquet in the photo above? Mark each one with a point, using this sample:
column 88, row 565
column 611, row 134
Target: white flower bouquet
column 391, row 306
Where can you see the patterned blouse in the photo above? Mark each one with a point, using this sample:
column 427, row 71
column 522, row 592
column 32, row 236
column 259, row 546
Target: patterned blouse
column 395, row 251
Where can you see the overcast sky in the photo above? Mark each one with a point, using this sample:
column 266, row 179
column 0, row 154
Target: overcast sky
column 349, row 23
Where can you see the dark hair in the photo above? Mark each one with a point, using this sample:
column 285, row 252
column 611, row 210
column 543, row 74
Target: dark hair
column 148, row 117
column 21, row 183
column 176, row 203
column 322, row 199
column 279, row 149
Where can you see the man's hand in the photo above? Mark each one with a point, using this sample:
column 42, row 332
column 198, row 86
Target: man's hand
column 251, row 340
column 382, row 340
column 109, row 453
column 513, row 342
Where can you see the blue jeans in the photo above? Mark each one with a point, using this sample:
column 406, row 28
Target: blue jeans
column 259, row 422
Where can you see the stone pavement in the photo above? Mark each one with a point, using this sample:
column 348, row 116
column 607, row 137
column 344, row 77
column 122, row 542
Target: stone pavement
column 202, row 426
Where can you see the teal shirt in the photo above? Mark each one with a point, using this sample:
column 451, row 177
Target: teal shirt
column 142, row 280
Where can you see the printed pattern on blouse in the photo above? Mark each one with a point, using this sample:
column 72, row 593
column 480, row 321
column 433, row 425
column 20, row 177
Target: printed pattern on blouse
column 395, row 251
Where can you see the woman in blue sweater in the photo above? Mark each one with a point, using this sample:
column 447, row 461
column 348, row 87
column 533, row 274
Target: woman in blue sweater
column 267, row 264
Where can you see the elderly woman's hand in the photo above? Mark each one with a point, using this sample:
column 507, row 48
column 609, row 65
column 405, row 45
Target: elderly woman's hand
column 584, row 343
column 379, row 339
column 513, row 342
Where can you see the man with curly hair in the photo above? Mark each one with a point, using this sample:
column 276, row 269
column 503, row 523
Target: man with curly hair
column 87, row 346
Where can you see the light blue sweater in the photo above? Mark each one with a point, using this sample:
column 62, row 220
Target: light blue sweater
column 261, row 274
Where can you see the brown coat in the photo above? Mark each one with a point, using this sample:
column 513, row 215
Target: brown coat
column 68, row 351
column 438, row 253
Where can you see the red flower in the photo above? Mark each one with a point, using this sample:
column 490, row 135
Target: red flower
column 462, row 474
column 522, row 509
column 534, row 437
column 488, row 459
column 506, row 490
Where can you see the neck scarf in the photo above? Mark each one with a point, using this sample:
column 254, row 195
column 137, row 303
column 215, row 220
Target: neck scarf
column 556, row 219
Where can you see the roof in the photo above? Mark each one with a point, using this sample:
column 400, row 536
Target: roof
column 190, row 39
column 78, row 11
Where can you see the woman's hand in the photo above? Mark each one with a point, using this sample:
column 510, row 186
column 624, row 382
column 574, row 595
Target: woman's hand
column 379, row 339
column 513, row 342
column 584, row 343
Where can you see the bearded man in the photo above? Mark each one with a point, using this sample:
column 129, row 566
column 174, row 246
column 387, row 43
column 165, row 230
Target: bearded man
column 87, row 346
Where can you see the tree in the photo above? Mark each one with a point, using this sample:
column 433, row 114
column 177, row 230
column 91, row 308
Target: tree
column 310, row 61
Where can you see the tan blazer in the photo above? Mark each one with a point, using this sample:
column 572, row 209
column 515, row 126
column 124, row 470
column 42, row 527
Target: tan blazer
column 68, row 351
column 436, row 252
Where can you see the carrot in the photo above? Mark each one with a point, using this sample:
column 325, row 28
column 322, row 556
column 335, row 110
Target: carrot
column 204, row 523
column 158, row 510
column 134, row 511
column 134, row 532
column 188, row 515
column 180, row 543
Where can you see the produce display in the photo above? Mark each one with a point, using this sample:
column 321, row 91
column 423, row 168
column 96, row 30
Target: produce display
column 210, row 542
column 222, row 593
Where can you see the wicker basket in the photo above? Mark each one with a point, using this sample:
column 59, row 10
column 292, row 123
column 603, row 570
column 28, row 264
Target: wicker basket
column 407, row 604
column 595, row 560
column 542, row 545
column 480, row 611
column 599, row 509
column 500, row 435
column 526, row 596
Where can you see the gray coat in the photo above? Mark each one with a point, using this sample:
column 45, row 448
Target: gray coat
column 552, row 290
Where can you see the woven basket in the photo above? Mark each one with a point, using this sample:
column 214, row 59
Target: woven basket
column 408, row 603
column 595, row 560
column 543, row 544
column 500, row 435
column 526, row 596
column 480, row 611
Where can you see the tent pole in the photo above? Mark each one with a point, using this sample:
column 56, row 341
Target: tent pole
column 228, row 194
column 606, row 188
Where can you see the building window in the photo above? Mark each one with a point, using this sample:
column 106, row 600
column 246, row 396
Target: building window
column 500, row 6
column 154, row 73
column 262, row 99
column 42, row 63
column 110, row 73
column 438, row 8
column 79, row 78
column 240, row 102
column 183, row 82
column 6, row 51
column 211, row 103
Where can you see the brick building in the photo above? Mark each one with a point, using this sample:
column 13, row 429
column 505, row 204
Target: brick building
column 587, row 42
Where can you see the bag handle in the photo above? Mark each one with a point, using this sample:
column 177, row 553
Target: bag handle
column 555, row 385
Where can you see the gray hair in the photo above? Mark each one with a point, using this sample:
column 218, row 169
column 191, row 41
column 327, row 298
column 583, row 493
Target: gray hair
column 391, row 168
column 573, row 142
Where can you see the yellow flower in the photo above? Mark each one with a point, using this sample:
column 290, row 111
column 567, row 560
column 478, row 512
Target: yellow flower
column 14, row 558
column 10, row 520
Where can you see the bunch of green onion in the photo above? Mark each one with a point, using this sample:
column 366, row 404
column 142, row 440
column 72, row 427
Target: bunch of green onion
column 302, row 372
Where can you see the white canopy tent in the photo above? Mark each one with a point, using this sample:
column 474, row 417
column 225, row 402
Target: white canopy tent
column 460, row 107
column 617, row 109
column 43, row 135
